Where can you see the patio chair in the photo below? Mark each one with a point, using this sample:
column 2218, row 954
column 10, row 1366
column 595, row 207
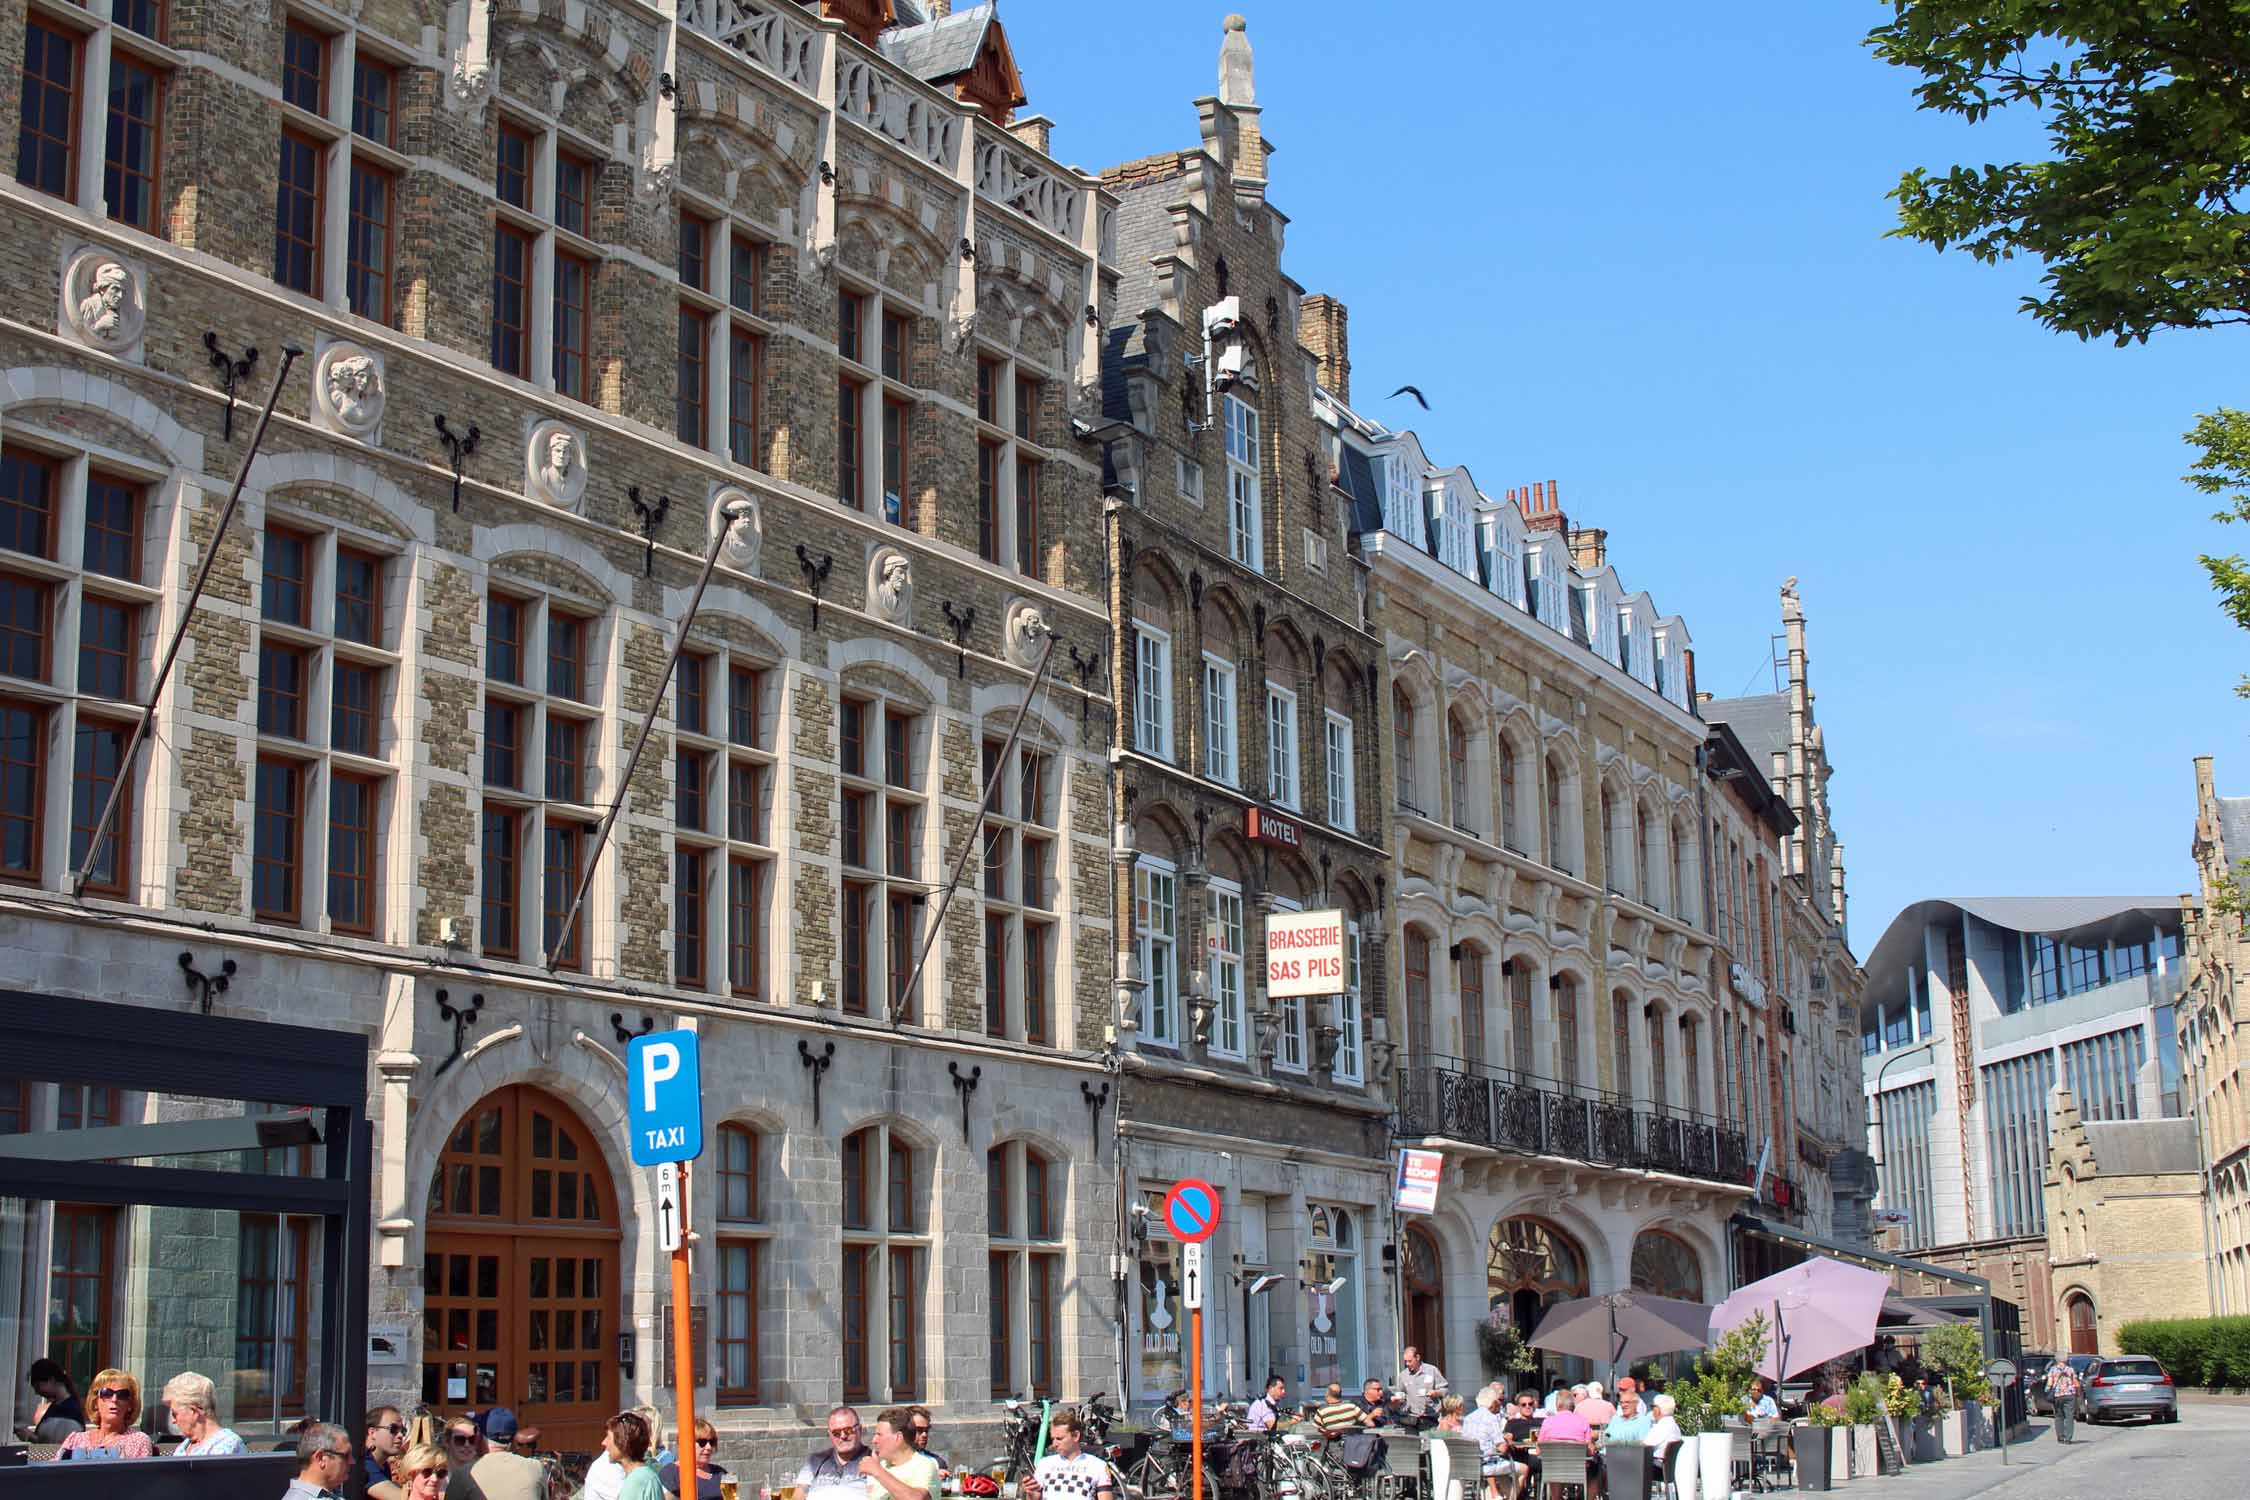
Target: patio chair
column 1562, row 1465
column 1664, row 1479
column 1744, row 1450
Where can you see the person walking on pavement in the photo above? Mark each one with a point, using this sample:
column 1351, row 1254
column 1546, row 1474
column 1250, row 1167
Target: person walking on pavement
column 2062, row 1390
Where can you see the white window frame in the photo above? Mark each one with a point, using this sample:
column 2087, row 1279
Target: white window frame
column 1152, row 691
column 723, row 318
column 1190, row 481
column 1222, row 712
column 1343, row 797
column 1349, row 1063
column 1292, row 1052
column 342, row 149
column 1014, row 827
column 717, row 840
column 1283, row 783
column 1005, row 434
column 1245, row 493
column 1160, row 1007
column 877, row 390
column 1229, row 941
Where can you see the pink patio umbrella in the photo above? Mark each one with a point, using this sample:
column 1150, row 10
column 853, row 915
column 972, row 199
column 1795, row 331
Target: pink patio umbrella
column 1818, row 1311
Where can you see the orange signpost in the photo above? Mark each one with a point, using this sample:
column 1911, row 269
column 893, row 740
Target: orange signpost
column 683, row 1340
column 1191, row 1212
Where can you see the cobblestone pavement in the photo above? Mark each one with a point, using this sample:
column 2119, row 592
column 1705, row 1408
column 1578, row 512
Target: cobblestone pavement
column 2204, row 1456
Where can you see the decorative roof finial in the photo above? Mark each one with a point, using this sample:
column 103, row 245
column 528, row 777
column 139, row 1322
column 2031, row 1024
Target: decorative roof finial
column 1237, row 85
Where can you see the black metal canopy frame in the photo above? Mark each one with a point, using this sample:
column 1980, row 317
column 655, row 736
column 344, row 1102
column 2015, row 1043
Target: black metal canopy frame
column 153, row 1049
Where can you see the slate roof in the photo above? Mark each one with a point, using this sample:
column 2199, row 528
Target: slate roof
column 1761, row 722
column 2234, row 826
column 1356, row 475
column 2143, row 1148
column 944, row 48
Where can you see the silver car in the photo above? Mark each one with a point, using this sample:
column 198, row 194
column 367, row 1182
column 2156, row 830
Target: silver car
column 2129, row 1385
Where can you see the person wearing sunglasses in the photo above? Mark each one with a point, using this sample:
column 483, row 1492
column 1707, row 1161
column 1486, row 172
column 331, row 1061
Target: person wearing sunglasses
column 324, row 1463
column 463, row 1445
column 832, row 1473
column 116, row 1399
column 708, row 1471
column 385, row 1438
column 918, row 1418
column 424, row 1472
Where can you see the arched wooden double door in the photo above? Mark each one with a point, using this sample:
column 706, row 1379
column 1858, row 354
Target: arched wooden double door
column 520, row 1289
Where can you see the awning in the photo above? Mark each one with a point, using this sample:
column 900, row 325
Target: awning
column 1903, row 1312
column 1858, row 1255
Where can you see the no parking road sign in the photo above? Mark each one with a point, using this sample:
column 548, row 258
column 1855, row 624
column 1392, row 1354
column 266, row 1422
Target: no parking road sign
column 1191, row 1210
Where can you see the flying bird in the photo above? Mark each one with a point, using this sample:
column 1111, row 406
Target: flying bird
column 1408, row 390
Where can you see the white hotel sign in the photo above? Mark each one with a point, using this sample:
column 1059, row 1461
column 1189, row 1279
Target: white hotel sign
column 1304, row 953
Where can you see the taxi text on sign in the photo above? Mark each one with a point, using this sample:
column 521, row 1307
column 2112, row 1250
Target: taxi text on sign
column 1304, row 953
column 664, row 1088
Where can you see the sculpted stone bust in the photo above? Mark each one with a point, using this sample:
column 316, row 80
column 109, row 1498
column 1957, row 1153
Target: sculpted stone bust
column 555, row 465
column 351, row 387
column 736, row 513
column 891, row 585
column 102, row 300
column 1027, row 632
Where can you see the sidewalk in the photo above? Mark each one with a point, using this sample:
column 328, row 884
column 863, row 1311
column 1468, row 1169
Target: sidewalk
column 1975, row 1473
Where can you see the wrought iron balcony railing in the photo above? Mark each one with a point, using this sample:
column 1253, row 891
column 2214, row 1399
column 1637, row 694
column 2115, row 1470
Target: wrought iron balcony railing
column 1542, row 1117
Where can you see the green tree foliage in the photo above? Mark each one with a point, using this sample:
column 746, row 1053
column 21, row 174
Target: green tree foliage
column 2212, row 1352
column 1955, row 1353
column 2140, row 214
column 1720, row 1387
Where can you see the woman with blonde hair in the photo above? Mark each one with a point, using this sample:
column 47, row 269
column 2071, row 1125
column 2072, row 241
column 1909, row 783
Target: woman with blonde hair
column 115, row 1397
column 193, row 1404
column 423, row 1472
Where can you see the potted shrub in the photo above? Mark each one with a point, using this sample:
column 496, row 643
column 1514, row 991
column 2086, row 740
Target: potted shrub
column 1712, row 1397
column 1955, row 1354
column 1863, row 1408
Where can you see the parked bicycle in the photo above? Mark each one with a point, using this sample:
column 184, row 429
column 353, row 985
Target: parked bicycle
column 1166, row 1470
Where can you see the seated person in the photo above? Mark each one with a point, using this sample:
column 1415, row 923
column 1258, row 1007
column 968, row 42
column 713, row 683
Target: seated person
column 1761, row 1407
column 1522, row 1441
column 1375, row 1404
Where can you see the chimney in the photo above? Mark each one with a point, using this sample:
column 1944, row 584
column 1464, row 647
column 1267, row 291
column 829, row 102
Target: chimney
column 938, row 10
column 1034, row 131
column 1542, row 507
column 1321, row 325
column 1589, row 548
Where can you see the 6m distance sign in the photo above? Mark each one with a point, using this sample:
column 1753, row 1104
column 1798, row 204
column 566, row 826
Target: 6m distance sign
column 1304, row 953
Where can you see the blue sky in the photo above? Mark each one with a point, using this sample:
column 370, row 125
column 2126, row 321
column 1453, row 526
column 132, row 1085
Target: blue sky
column 1639, row 249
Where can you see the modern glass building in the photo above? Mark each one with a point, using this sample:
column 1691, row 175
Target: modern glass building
column 1976, row 1011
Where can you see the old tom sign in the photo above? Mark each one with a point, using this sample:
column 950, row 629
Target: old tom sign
column 1304, row 953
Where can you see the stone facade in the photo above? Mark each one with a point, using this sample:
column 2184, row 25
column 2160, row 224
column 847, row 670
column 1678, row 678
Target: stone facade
column 2125, row 1228
column 1794, row 955
column 2214, row 1032
column 1249, row 783
column 416, row 675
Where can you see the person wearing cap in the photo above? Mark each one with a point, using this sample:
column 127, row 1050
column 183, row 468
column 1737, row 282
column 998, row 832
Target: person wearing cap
column 500, row 1474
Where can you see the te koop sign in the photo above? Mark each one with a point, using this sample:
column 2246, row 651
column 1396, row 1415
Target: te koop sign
column 1304, row 953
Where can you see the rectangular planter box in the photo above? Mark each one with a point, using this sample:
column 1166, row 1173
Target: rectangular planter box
column 1863, row 1451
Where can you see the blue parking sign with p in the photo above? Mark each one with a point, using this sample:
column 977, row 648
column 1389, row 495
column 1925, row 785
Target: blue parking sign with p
column 664, row 1077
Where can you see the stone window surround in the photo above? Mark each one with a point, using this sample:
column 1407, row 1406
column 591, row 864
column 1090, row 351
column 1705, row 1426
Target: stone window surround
column 726, row 236
column 1160, row 1020
column 1284, row 768
column 65, row 706
column 550, row 137
column 1010, row 829
column 1014, row 1246
column 344, row 152
column 527, row 800
column 99, row 38
column 1343, row 789
column 874, row 391
column 320, row 762
column 751, row 1234
column 716, row 840
column 1349, row 1066
column 1222, row 727
column 1005, row 434
column 884, row 890
column 1152, row 691
column 880, row 1243
column 1229, row 1004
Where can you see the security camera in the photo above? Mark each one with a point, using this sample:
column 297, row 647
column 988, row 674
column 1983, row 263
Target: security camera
column 1140, row 1210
